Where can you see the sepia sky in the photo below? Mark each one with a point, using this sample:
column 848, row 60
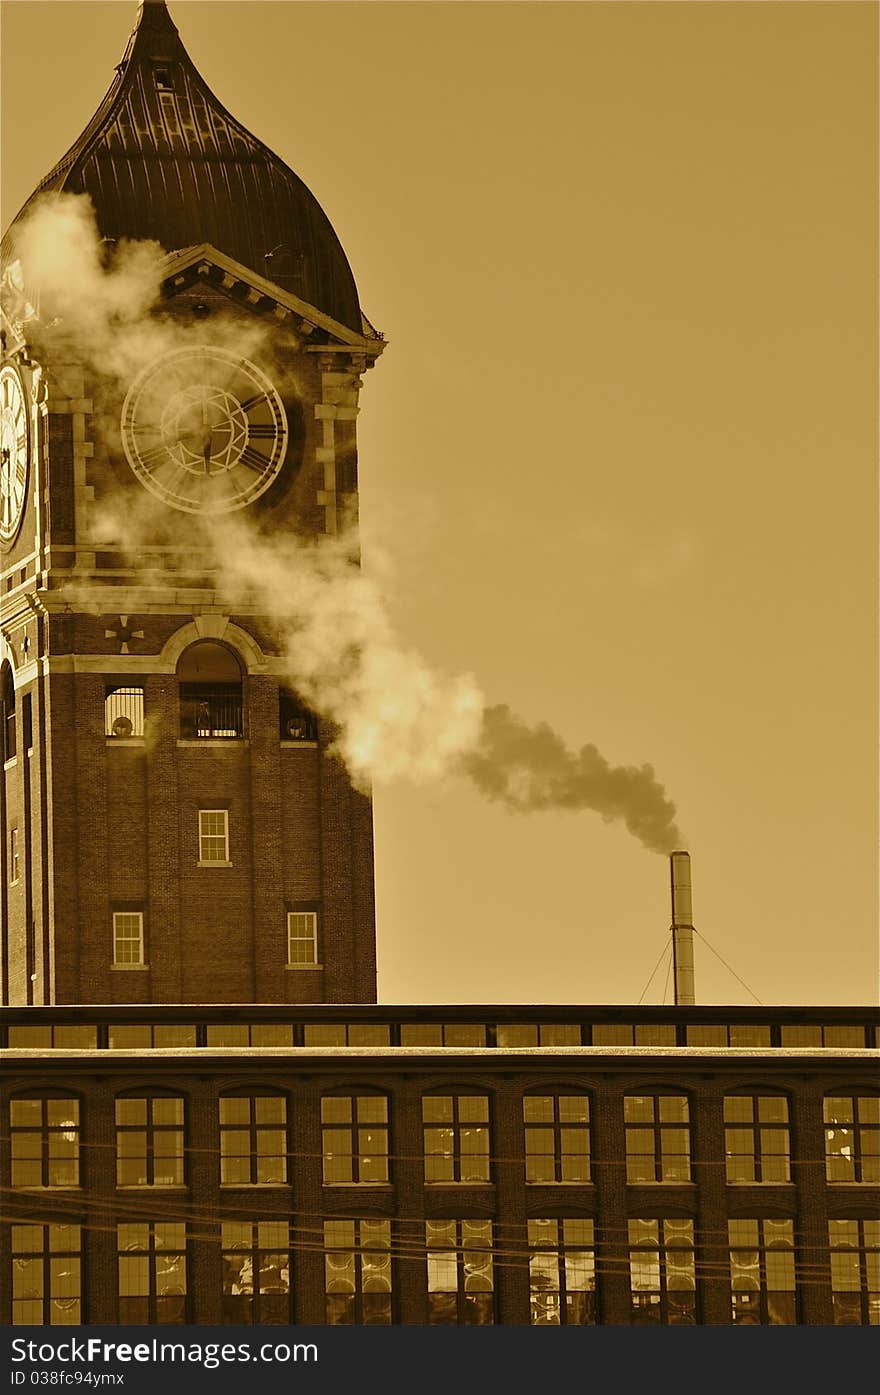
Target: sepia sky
column 619, row 456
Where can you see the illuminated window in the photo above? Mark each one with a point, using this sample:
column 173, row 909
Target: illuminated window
column 843, row 1036
column 128, row 937
column 852, row 1138
column 657, row 1138
column 513, row 1034
column 357, row 1272
column 736, row 1034
column 256, row 1272
column 762, row 1280
column 461, row 1285
column 253, row 1140
column 45, row 1142
column 346, row 1034
column 152, row 1272
column 831, row 1036
column 442, row 1034
column 355, row 1138
column 756, row 1138
column 662, row 1280
column 855, row 1272
column 149, row 1141
column 146, row 1037
column 562, row 1273
column 60, row 1036
column 302, row 938
column 123, row 712
column 46, row 1275
column 456, row 1136
column 249, row 1034
column 557, row 1129
column 213, row 836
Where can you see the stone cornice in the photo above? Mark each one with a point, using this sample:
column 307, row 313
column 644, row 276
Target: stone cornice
column 308, row 318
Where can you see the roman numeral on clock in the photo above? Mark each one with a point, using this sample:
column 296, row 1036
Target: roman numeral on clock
column 152, row 457
column 253, row 459
column 262, row 431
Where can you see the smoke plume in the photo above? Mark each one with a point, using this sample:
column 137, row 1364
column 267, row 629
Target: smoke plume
column 529, row 767
column 395, row 715
column 98, row 298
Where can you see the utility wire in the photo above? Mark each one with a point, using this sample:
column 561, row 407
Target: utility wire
column 663, row 953
column 729, row 969
column 668, row 972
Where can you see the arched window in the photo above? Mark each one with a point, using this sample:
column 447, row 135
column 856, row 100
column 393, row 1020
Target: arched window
column 149, row 1140
column 658, row 1138
column 253, row 1139
column 7, row 712
column 357, row 1272
column 557, row 1133
column 354, row 1131
column 852, row 1137
column 757, row 1143
column 45, row 1140
column 456, row 1137
column 256, row 1272
column 46, row 1275
column 210, row 681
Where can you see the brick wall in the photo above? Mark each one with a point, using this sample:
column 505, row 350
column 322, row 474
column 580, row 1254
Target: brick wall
column 123, row 835
column 508, row 1201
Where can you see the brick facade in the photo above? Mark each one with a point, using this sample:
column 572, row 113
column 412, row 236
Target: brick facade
column 301, row 1075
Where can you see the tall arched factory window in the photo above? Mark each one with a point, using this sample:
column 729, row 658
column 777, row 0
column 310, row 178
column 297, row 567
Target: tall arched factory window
column 7, row 713
column 210, row 682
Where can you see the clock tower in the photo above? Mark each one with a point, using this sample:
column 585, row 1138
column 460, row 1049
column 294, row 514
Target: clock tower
column 173, row 826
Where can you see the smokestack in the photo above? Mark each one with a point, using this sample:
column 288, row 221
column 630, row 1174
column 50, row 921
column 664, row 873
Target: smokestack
column 682, row 927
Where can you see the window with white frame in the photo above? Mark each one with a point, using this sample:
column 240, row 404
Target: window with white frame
column 14, row 858
column 128, row 937
column 214, row 835
column 302, row 938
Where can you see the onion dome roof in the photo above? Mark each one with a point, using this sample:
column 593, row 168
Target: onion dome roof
column 163, row 159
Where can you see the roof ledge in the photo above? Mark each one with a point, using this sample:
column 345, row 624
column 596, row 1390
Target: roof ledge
column 204, row 258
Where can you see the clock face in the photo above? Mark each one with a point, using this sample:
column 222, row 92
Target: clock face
column 13, row 452
column 204, row 430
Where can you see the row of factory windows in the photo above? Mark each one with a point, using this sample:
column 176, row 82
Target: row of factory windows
column 303, row 943
column 664, row 1266
column 256, row 1146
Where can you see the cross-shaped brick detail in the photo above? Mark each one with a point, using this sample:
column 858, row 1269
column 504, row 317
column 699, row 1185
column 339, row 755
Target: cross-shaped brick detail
column 123, row 634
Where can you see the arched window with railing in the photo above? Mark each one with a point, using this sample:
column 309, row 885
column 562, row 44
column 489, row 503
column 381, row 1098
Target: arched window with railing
column 211, row 692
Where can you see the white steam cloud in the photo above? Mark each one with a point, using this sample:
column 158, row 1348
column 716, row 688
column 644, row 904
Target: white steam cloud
column 395, row 716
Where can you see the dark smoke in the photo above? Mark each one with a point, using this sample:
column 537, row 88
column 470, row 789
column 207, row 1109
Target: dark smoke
column 529, row 768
